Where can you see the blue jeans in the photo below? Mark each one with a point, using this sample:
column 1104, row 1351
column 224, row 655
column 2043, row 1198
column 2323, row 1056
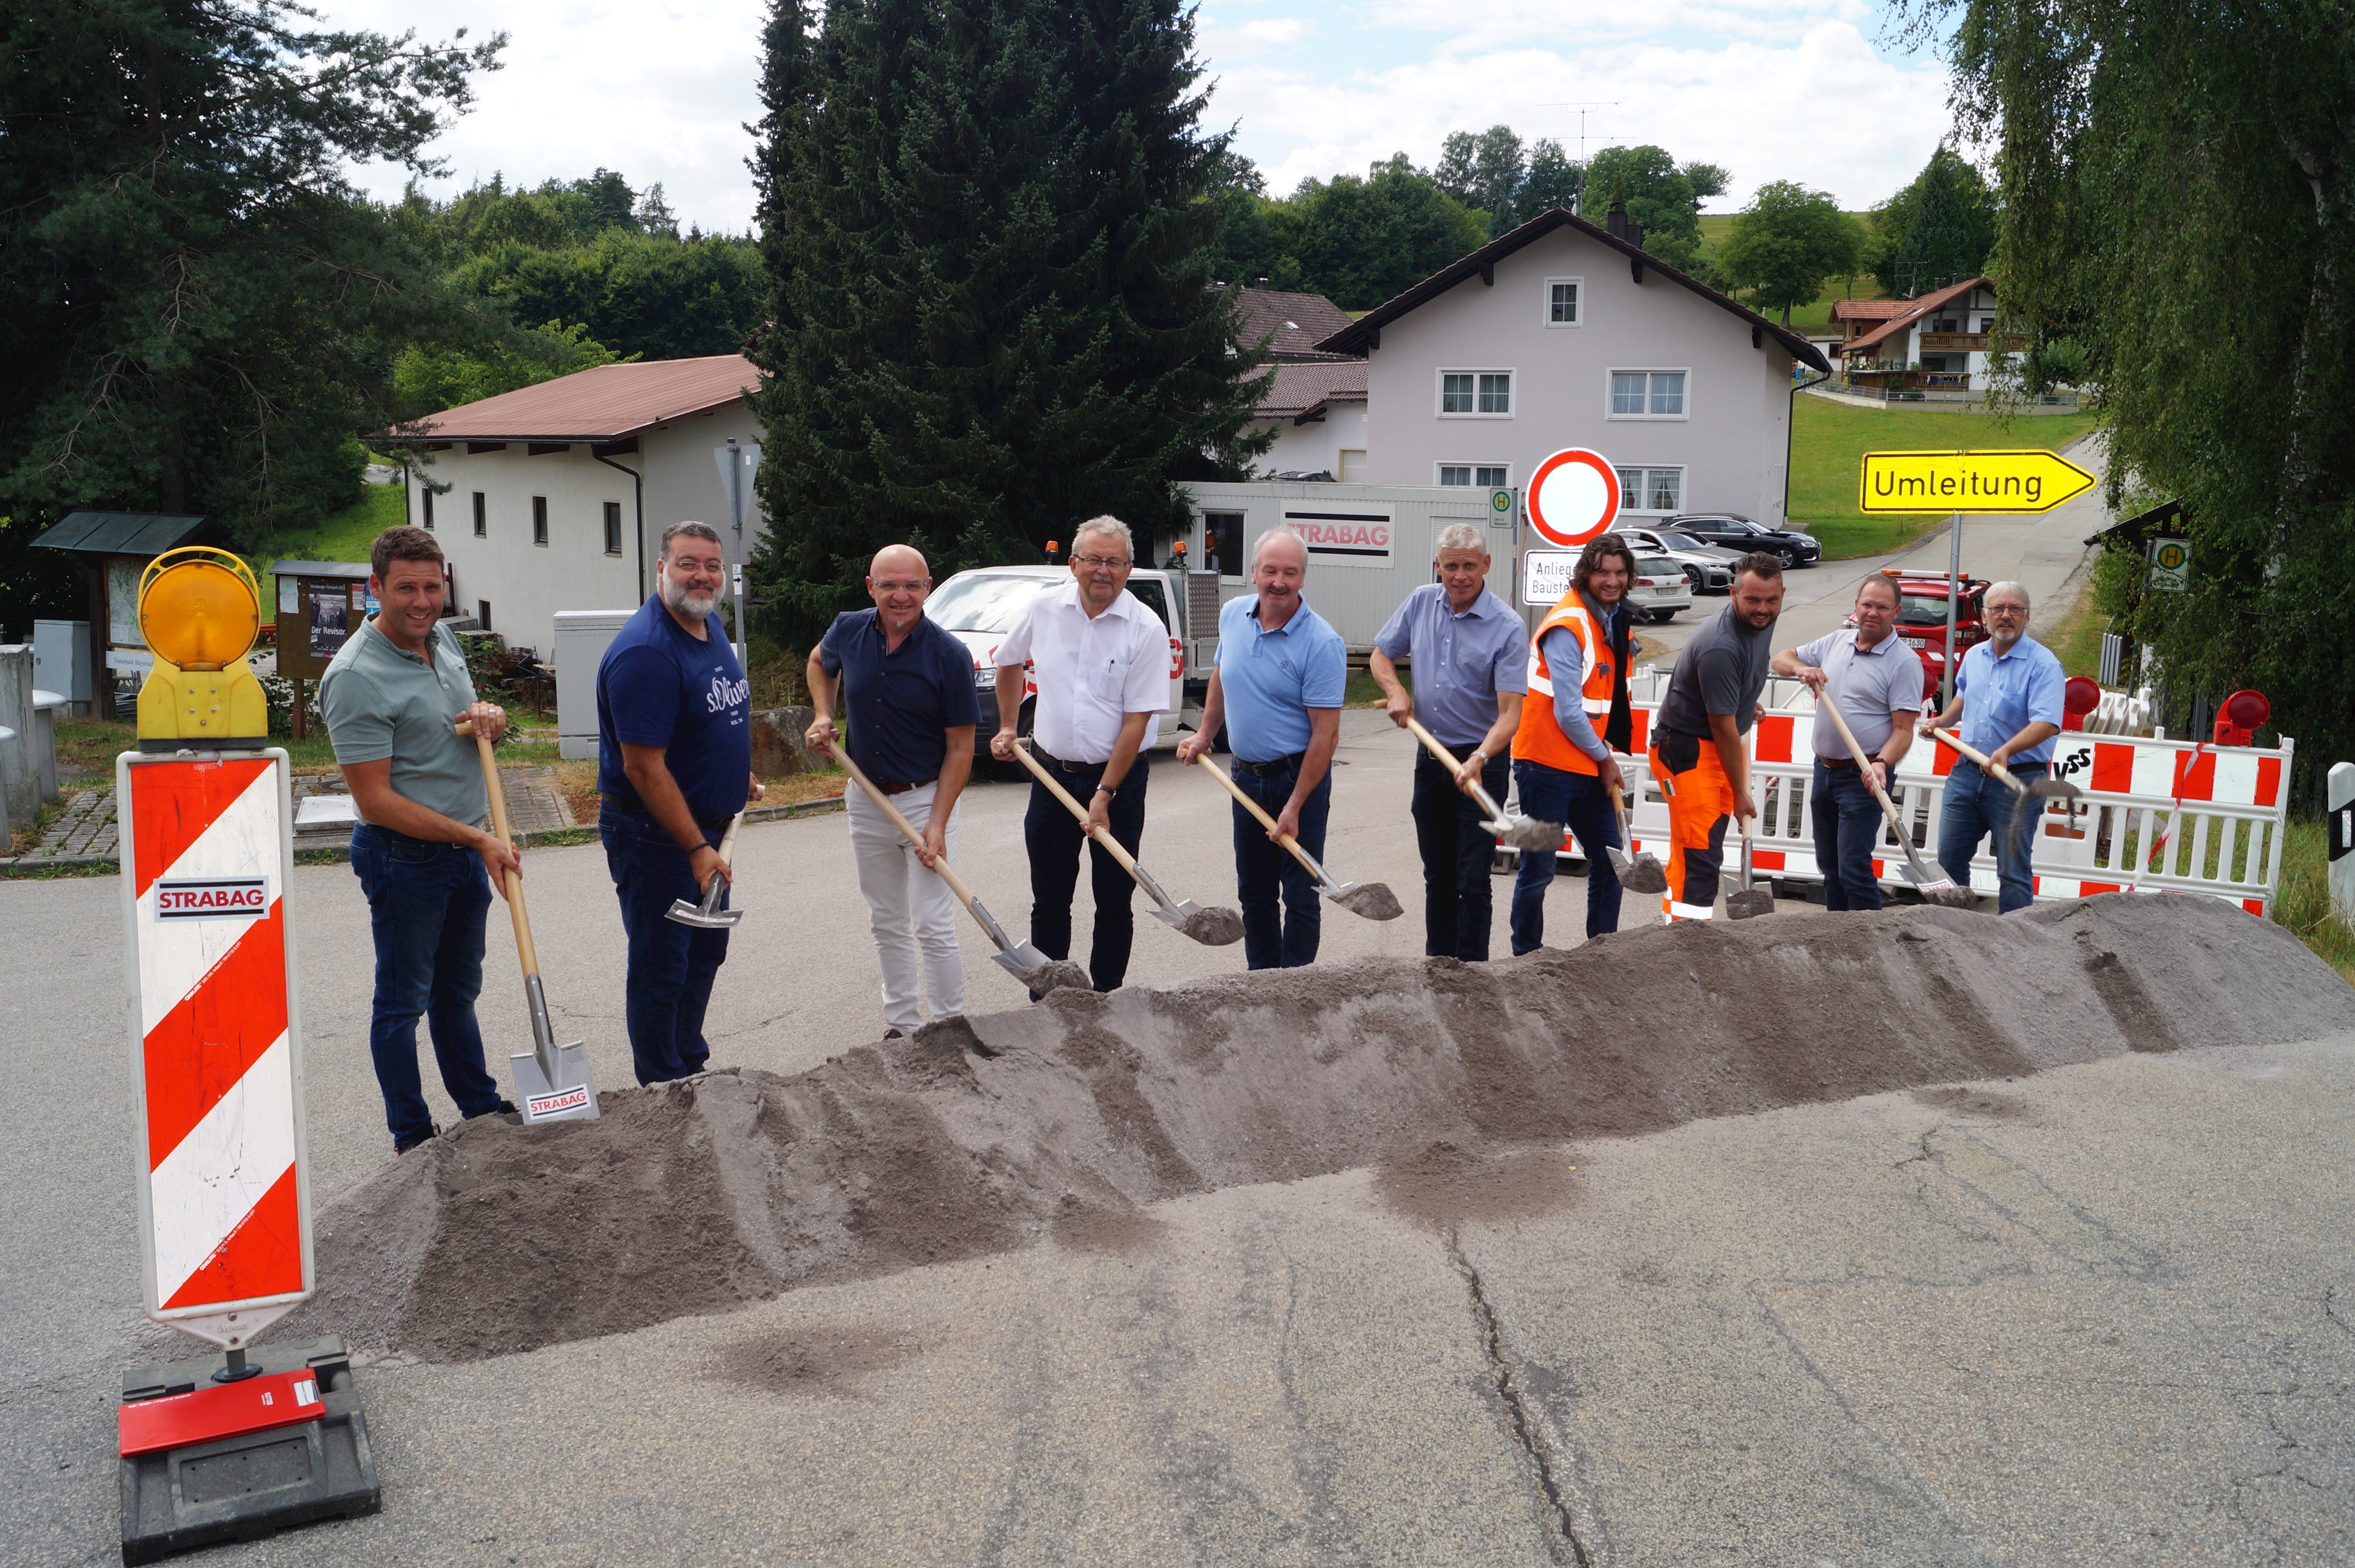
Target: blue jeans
column 1053, row 838
column 1458, row 907
column 1274, row 938
column 1848, row 823
column 671, row 967
column 1978, row 805
column 1580, row 802
column 427, row 904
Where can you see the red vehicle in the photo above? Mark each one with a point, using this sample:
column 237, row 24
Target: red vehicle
column 1922, row 616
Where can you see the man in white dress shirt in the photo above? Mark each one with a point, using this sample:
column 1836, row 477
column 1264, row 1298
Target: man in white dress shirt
column 1101, row 661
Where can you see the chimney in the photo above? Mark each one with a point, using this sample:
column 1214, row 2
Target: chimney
column 1634, row 234
column 1615, row 222
column 1260, row 283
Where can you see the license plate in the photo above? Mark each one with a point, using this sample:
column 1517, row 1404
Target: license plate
column 1917, row 642
column 985, row 678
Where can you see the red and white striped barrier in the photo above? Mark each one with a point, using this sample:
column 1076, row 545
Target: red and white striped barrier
column 224, row 1193
column 2198, row 818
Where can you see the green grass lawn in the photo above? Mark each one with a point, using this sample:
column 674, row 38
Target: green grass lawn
column 1827, row 446
column 343, row 537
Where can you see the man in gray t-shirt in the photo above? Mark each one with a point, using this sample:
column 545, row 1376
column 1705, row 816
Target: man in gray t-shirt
column 1696, row 744
column 1876, row 682
column 392, row 696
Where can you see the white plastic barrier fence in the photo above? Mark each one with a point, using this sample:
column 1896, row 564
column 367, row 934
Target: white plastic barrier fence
column 2155, row 815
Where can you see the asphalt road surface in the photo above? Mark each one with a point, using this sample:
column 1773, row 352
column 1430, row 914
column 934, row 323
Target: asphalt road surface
column 2108, row 1317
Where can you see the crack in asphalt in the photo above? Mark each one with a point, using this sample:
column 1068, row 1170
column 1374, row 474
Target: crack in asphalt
column 1527, row 1435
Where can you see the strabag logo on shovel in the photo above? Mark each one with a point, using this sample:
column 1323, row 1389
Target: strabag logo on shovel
column 212, row 898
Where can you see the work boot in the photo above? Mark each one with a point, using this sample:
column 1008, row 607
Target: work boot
column 431, row 1132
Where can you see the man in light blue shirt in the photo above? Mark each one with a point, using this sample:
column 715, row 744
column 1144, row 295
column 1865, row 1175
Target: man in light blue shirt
column 2007, row 695
column 1471, row 664
column 1277, row 691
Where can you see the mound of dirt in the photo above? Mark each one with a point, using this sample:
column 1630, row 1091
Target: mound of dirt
column 1062, row 1120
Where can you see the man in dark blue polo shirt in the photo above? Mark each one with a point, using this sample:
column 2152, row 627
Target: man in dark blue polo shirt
column 674, row 764
column 907, row 692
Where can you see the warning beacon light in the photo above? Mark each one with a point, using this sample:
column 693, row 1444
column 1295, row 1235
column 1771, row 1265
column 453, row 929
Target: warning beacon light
column 200, row 611
column 2238, row 720
column 2079, row 698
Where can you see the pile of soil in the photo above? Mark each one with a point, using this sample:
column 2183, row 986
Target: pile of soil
column 1064, row 1119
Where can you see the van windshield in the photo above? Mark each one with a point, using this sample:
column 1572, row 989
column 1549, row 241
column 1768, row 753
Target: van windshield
column 978, row 602
column 1921, row 610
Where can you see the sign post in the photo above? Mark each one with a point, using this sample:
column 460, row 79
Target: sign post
column 2014, row 479
column 738, row 461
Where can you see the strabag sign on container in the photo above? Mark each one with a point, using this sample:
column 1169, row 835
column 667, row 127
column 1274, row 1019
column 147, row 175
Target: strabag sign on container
column 1343, row 534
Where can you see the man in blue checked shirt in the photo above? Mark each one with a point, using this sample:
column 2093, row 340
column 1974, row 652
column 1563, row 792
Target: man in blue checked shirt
column 2008, row 695
column 1277, row 689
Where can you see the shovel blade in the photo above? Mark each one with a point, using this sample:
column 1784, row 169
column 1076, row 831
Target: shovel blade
column 567, row 1097
column 696, row 916
column 1645, row 874
column 1021, row 958
column 1749, row 905
column 1178, row 913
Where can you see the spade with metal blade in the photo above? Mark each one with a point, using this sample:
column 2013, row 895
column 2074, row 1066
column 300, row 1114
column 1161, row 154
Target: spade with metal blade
column 1211, row 927
column 1637, row 873
column 1935, row 886
column 1018, row 958
column 1747, row 902
column 707, row 915
column 552, row 1080
column 1374, row 900
column 1530, row 833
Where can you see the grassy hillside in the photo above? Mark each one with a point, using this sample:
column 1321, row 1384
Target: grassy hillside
column 1827, row 446
column 343, row 537
column 1814, row 317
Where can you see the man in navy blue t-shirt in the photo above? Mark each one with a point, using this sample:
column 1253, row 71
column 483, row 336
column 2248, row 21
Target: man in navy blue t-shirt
column 906, row 690
column 674, row 764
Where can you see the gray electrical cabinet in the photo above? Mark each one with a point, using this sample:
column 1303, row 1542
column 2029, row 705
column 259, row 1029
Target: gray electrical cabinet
column 582, row 638
column 62, row 661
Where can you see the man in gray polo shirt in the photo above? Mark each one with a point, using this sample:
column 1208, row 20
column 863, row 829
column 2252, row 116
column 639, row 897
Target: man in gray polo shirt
column 1876, row 680
column 1471, row 663
column 392, row 696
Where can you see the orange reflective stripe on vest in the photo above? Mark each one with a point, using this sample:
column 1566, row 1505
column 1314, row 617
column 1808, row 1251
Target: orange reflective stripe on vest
column 1540, row 738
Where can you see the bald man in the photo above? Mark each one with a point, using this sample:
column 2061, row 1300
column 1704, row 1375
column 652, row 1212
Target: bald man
column 907, row 689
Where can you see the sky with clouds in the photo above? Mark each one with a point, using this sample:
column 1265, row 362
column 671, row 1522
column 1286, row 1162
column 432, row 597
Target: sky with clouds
column 1812, row 91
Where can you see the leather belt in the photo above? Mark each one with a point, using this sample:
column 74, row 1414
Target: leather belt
column 1060, row 766
column 894, row 786
column 1837, row 761
column 1269, row 770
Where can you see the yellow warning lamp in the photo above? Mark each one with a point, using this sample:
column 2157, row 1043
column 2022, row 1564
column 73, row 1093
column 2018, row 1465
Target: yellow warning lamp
column 200, row 611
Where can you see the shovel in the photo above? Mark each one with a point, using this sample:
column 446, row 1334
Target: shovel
column 1637, row 873
column 1934, row 885
column 1374, row 900
column 1748, row 902
column 552, row 1080
column 707, row 915
column 1211, row 927
column 1019, row 959
column 1530, row 833
column 2049, row 789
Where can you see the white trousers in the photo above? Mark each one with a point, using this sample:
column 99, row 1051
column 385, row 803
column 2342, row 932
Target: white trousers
column 910, row 910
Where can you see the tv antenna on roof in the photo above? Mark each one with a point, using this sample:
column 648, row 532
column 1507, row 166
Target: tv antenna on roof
column 1583, row 110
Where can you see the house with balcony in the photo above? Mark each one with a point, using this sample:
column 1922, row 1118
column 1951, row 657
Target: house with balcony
column 1942, row 342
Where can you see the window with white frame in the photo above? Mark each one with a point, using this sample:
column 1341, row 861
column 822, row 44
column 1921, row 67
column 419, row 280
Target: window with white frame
column 1486, row 475
column 1647, row 394
column 1562, row 301
column 1476, row 394
column 1651, row 490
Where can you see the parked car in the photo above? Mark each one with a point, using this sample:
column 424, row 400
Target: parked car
column 980, row 607
column 1922, row 617
column 1740, row 533
column 1659, row 588
column 1709, row 568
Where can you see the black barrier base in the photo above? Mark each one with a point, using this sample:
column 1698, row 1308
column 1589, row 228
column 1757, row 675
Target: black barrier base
column 245, row 1488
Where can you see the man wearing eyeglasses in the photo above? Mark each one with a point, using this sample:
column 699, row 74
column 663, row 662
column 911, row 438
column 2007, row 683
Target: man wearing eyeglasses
column 2008, row 695
column 1101, row 661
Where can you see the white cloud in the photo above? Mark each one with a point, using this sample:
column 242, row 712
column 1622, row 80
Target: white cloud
column 1824, row 111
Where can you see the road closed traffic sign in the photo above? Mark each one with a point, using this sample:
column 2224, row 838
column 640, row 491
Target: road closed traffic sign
column 2025, row 480
column 1573, row 497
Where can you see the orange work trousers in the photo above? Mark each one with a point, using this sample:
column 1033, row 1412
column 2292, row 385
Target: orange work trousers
column 1699, row 809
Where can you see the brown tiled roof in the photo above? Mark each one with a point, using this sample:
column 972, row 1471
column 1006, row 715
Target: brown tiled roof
column 1290, row 322
column 600, row 404
column 1870, row 310
column 1361, row 333
column 1914, row 310
column 1303, row 386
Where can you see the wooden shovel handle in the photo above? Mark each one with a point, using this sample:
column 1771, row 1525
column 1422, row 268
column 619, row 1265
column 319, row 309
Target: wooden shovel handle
column 1111, row 844
column 1863, row 762
column 907, row 831
column 1286, row 840
column 1447, row 760
column 524, row 948
column 1986, row 762
column 727, row 840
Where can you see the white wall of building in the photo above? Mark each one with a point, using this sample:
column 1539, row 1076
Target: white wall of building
column 1316, row 446
column 1729, row 443
column 526, row 583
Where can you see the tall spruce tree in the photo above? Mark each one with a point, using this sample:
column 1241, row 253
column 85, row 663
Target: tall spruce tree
column 993, row 312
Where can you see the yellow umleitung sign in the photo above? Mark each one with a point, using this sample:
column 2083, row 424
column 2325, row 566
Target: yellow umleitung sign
column 2032, row 480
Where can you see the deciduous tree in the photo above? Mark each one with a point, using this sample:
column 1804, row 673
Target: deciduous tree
column 1786, row 243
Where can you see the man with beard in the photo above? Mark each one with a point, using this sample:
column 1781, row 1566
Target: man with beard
column 674, row 765
column 1698, row 750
